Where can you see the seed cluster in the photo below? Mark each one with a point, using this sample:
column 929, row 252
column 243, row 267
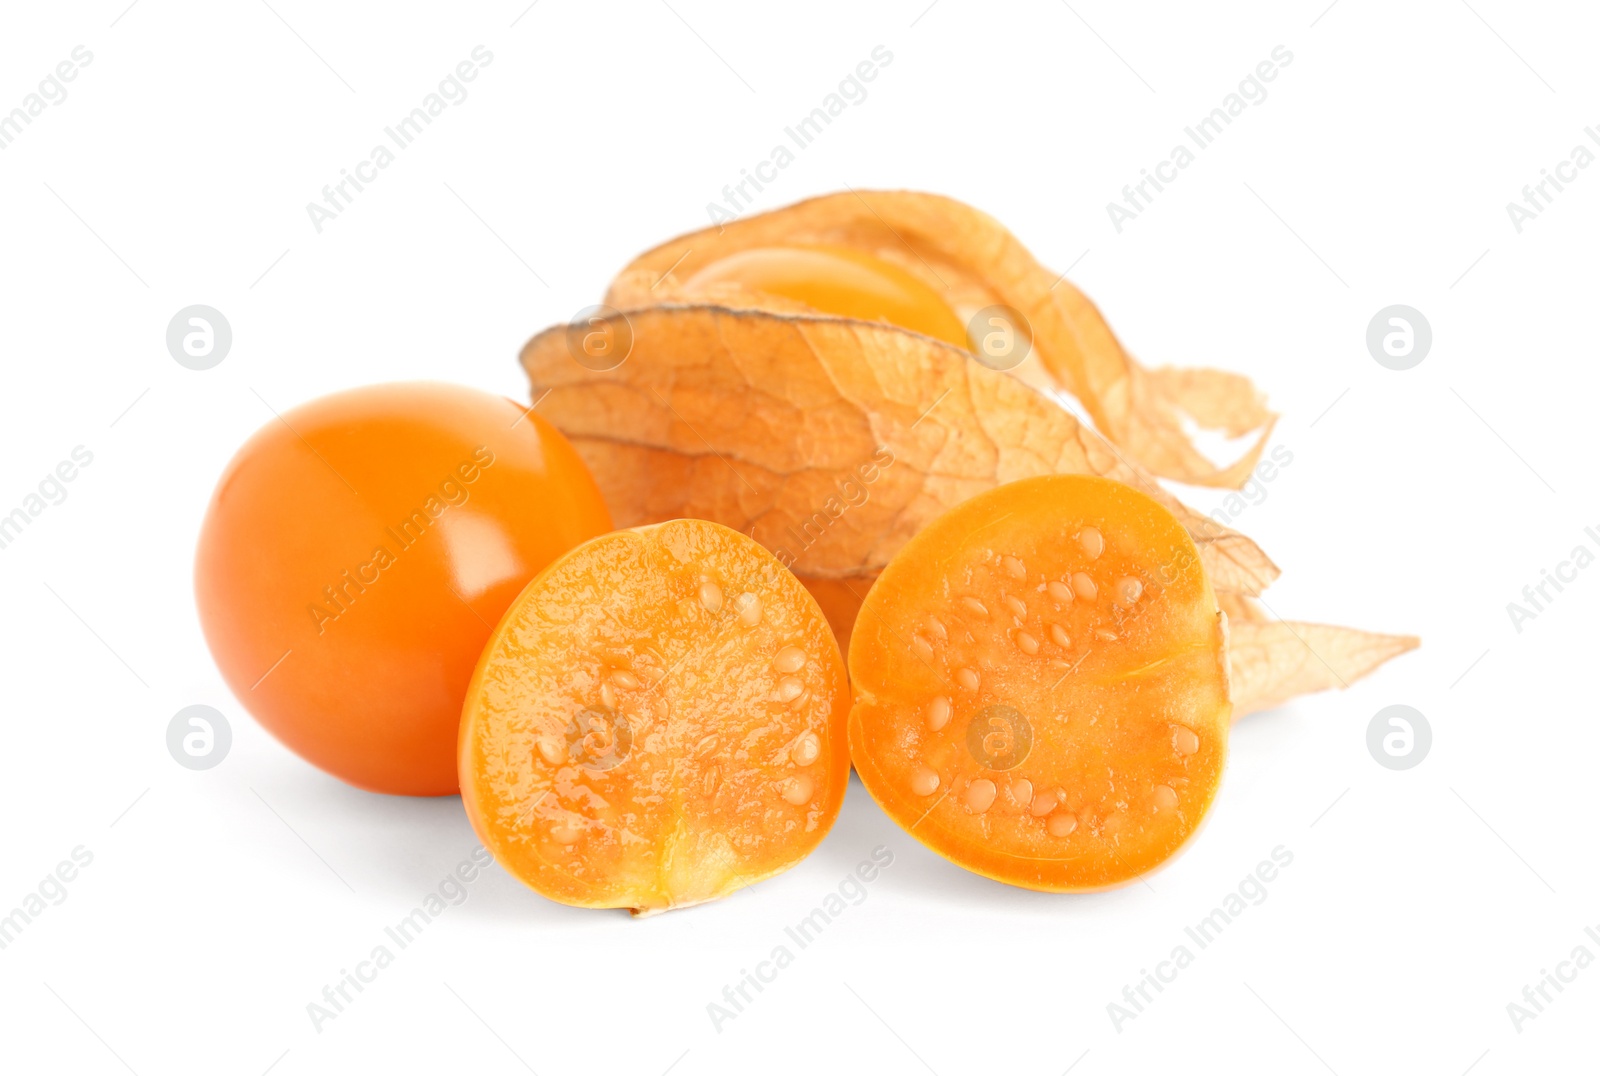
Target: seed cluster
column 1046, row 637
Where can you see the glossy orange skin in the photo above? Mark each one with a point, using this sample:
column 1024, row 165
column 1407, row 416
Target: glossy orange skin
column 842, row 281
column 358, row 551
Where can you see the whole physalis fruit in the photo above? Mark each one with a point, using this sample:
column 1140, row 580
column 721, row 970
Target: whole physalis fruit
column 658, row 721
column 1041, row 685
column 356, row 554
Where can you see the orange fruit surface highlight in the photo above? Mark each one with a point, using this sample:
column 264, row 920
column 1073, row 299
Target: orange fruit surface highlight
column 1041, row 685
column 357, row 552
column 659, row 720
column 840, row 281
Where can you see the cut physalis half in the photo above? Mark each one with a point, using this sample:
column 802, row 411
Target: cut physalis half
column 1041, row 685
column 658, row 721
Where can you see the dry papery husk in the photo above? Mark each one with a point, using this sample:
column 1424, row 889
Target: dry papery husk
column 975, row 262
column 1271, row 661
column 833, row 441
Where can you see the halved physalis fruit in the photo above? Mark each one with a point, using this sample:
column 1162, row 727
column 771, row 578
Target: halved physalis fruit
column 658, row 720
column 1041, row 685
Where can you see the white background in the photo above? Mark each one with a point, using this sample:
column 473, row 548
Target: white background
column 219, row 904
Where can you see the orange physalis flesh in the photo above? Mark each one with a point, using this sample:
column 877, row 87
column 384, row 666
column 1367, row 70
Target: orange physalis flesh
column 658, row 720
column 1041, row 685
column 840, row 281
